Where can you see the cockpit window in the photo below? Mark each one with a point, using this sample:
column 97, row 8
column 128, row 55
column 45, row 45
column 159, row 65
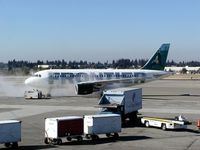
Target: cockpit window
column 37, row 75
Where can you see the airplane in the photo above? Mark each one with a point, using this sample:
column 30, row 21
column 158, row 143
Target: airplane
column 88, row 81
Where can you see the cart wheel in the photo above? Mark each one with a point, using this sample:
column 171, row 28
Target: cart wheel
column 116, row 135
column 59, row 141
column 7, row 145
column 94, row 137
column 147, row 124
column 69, row 138
column 14, row 145
column 108, row 134
column 55, row 141
column 46, row 141
column 79, row 138
column 164, row 127
column 87, row 136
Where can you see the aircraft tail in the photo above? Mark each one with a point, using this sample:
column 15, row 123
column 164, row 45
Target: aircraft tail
column 158, row 60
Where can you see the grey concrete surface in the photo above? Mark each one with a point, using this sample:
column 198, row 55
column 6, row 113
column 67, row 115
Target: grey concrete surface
column 160, row 99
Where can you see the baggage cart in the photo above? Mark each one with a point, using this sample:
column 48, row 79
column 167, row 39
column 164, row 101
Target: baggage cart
column 10, row 133
column 164, row 124
column 109, row 124
column 69, row 127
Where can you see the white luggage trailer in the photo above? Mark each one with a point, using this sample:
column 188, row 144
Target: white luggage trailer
column 69, row 127
column 109, row 124
column 10, row 133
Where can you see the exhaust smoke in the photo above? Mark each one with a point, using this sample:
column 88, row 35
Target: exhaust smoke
column 12, row 86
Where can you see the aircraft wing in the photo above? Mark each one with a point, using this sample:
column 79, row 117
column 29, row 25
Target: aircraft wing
column 103, row 82
column 88, row 87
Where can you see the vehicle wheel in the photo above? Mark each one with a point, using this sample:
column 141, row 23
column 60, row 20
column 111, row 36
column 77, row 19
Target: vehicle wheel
column 69, row 138
column 147, row 124
column 59, row 141
column 46, row 141
column 87, row 136
column 95, row 137
column 14, row 145
column 55, row 142
column 108, row 134
column 79, row 138
column 116, row 135
column 164, row 127
column 7, row 145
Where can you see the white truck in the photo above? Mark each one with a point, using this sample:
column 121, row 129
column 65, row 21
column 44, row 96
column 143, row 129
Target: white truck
column 165, row 124
column 10, row 133
column 35, row 94
column 123, row 101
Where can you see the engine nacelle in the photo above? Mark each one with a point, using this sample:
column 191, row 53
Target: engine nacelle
column 84, row 89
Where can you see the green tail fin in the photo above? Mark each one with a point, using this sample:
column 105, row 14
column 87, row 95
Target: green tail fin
column 158, row 60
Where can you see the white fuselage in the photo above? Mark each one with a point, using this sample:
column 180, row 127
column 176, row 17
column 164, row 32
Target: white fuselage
column 60, row 77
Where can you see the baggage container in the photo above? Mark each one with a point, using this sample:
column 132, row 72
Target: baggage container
column 63, row 127
column 10, row 133
column 109, row 124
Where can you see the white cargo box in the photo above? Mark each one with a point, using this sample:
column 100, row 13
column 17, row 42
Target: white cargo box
column 10, row 132
column 102, row 124
column 59, row 127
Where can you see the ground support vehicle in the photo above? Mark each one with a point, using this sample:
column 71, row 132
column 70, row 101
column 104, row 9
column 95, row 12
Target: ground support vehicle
column 124, row 101
column 109, row 124
column 165, row 124
column 69, row 127
column 35, row 94
column 10, row 133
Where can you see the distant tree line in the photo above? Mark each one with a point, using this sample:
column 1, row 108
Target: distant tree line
column 183, row 64
column 63, row 64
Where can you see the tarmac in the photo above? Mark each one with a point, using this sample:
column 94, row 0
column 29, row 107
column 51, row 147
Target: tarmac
column 161, row 98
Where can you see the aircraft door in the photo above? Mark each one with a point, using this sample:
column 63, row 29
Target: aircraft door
column 50, row 78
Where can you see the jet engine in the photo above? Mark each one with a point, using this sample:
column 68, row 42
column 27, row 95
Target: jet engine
column 84, row 89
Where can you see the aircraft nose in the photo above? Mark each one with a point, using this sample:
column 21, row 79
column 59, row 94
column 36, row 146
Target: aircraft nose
column 28, row 81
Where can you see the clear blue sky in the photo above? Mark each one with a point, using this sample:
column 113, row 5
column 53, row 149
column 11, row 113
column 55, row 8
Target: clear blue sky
column 98, row 30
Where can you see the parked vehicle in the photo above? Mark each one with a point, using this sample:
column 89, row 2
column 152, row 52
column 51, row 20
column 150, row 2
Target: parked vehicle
column 109, row 124
column 10, row 133
column 35, row 94
column 165, row 124
column 123, row 101
column 77, row 127
column 70, row 127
